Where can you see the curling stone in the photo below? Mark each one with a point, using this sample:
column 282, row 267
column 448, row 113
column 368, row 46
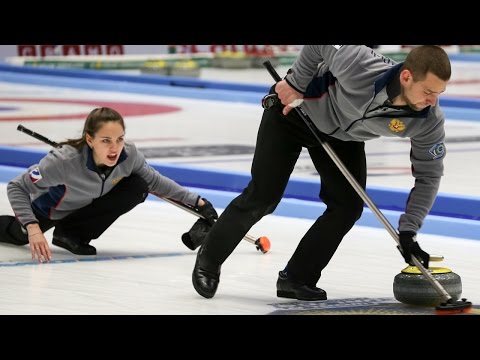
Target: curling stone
column 156, row 67
column 412, row 288
column 185, row 68
column 232, row 60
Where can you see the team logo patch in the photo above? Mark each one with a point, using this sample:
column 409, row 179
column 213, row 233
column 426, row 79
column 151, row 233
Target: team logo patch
column 35, row 175
column 396, row 125
column 437, row 150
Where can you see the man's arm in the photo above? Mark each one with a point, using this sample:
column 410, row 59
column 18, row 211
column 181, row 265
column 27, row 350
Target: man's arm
column 334, row 58
column 427, row 153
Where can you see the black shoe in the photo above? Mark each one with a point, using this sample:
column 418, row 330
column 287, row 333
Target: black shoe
column 288, row 288
column 205, row 276
column 74, row 245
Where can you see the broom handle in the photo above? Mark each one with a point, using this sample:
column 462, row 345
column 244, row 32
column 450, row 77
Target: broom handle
column 185, row 207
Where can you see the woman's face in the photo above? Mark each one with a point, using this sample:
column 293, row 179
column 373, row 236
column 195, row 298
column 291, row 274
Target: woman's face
column 107, row 144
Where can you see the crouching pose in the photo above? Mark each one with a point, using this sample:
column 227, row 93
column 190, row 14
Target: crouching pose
column 81, row 187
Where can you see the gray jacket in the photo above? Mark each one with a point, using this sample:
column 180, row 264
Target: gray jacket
column 66, row 180
column 345, row 91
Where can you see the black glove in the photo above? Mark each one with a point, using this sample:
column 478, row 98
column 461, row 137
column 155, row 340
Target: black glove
column 207, row 211
column 197, row 234
column 409, row 247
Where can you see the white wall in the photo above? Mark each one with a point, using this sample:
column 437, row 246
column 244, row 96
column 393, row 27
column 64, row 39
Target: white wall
column 7, row 50
column 11, row 50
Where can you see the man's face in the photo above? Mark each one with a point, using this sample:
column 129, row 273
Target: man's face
column 420, row 94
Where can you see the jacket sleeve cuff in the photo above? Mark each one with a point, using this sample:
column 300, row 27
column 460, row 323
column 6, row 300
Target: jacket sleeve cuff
column 24, row 226
column 196, row 202
column 293, row 86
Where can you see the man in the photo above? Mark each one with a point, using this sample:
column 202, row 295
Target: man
column 352, row 94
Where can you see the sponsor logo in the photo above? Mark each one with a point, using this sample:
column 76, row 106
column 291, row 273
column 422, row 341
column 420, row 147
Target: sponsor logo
column 396, row 125
column 355, row 306
column 437, row 150
column 35, row 175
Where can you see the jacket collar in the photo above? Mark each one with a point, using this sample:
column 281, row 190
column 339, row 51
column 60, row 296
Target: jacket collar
column 389, row 75
column 91, row 163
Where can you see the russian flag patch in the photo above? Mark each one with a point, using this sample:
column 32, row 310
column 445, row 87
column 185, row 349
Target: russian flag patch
column 35, row 175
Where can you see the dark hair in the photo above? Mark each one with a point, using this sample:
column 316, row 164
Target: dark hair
column 428, row 58
column 94, row 122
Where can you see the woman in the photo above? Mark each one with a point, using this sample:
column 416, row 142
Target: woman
column 83, row 186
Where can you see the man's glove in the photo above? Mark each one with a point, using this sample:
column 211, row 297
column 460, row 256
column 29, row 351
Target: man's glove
column 207, row 211
column 197, row 234
column 409, row 247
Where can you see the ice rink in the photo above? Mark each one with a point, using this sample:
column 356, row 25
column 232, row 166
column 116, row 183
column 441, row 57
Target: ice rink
column 142, row 267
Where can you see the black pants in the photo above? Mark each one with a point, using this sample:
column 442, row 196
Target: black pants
column 92, row 220
column 279, row 142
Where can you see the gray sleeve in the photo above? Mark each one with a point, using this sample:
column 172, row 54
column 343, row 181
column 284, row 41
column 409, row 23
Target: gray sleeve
column 32, row 183
column 427, row 154
column 335, row 58
column 18, row 195
column 161, row 185
column 305, row 67
column 355, row 67
column 419, row 204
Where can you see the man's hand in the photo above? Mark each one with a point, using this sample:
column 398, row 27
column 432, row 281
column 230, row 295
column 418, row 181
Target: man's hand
column 409, row 247
column 206, row 209
column 289, row 97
